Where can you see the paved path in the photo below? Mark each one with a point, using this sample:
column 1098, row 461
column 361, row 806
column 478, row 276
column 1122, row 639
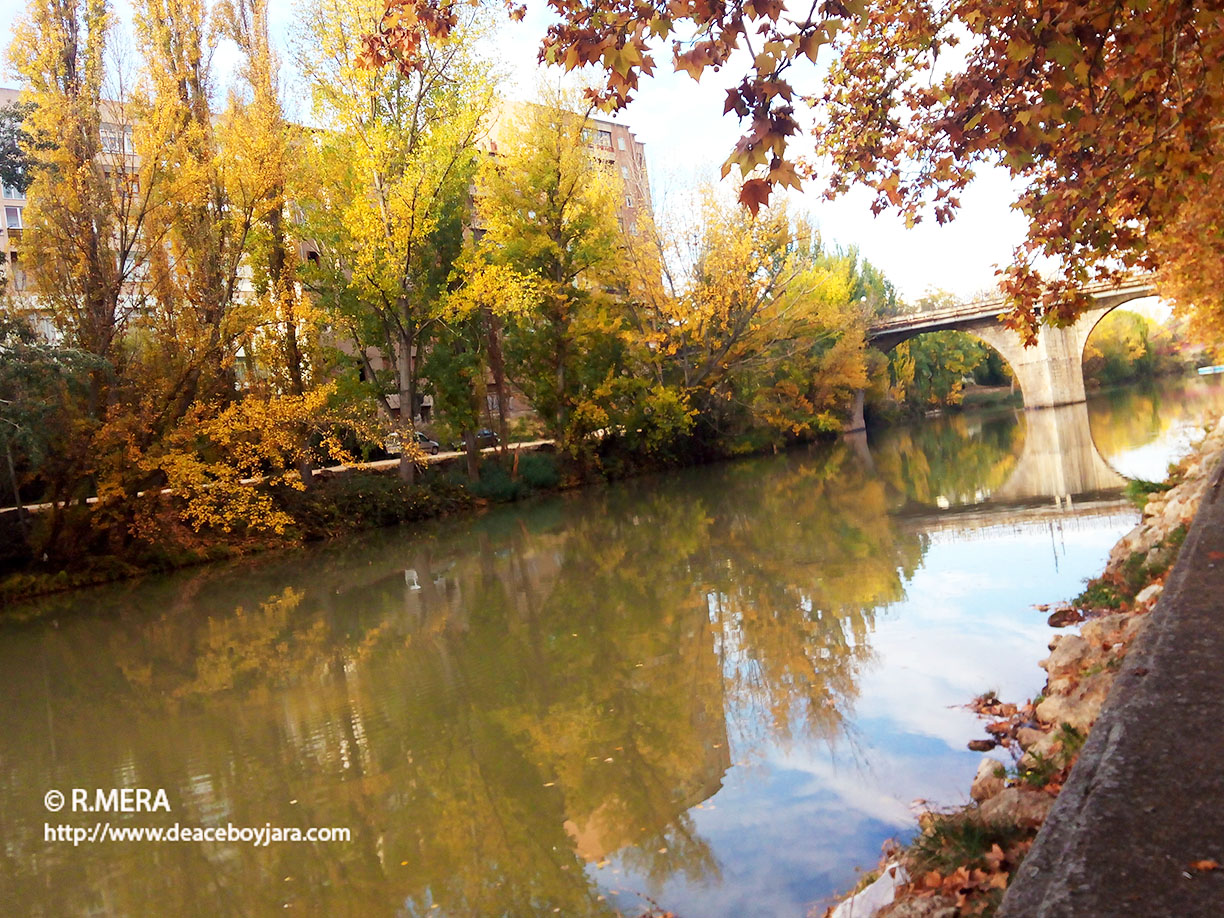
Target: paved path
column 379, row 466
column 1146, row 798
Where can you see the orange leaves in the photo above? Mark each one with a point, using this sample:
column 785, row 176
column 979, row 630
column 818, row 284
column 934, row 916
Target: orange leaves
column 963, row 883
column 754, row 194
column 1204, row 866
column 973, row 886
column 782, row 172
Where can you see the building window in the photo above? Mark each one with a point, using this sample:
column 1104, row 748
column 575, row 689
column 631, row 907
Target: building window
column 628, row 200
column 12, row 217
column 12, row 193
column 116, row 138
column 624, row 172
column 603, row 139
column 621, row 140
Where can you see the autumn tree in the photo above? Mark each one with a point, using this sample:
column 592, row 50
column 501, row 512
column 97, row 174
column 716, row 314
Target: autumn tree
column 1106, row 114
column 391, row 171
column 929, row 371
column 757, row 322
column 467, row 354
column 86, row 211
column 285, row 341
column 213, row 195
column 547, row 208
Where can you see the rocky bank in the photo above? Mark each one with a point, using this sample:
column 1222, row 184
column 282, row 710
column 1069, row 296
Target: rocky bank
column 962, row 859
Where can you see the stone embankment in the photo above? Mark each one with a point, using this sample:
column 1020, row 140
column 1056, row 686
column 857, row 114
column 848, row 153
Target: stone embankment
column 963, row 859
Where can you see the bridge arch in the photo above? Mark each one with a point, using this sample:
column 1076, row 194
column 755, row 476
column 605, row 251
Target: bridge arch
column 1051, row 372
column 899, row 340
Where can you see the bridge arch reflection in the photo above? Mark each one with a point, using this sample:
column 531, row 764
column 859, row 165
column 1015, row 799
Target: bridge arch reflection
column 1013, row 459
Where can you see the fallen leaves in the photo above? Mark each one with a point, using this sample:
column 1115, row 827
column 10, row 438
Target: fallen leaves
column 964, row 884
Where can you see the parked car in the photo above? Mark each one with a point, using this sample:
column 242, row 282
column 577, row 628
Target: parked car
column 432, row 447
column 484, row 438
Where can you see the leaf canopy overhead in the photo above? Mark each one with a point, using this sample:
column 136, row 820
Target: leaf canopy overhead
column 1107, row 114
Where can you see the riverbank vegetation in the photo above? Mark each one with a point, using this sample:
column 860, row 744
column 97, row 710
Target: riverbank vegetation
column 227, row 302
column 1126, row 346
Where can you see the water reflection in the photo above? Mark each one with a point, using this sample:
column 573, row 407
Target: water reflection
column 1138, row 430
column 521, row 715
column 1052, row 455
column 490, row 709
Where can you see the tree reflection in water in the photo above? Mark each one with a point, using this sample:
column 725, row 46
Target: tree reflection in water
column 491, row 708
column 504, row 711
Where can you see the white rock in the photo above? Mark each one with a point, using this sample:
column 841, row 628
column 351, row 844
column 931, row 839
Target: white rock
column 1019, row 806
column 1078, row 706
column 1149, row 594
column 1097, row 630
column 987, row 783
column 1068, row 656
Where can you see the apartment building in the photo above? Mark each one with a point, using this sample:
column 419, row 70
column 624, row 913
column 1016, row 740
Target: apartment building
column 609, row 142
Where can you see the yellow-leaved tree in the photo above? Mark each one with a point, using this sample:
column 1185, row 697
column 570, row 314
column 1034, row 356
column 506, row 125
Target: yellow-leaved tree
column 387, row 195
column 548, row 208
column 756, row 321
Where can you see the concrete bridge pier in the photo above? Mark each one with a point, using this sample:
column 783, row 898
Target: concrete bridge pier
column 855, row 421
column 1051, row 372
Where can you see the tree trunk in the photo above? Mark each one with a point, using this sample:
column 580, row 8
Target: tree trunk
column 497, row 365
column 283, row 288
column 12, row 470
column 407, row 465
column 473, row 455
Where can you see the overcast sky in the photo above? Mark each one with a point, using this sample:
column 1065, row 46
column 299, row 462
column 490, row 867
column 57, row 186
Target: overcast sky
column 687, row 138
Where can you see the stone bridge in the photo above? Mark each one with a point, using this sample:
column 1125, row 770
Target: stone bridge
column 1049, row 373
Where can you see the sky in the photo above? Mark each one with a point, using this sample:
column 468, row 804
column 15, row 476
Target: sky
column 687, row 137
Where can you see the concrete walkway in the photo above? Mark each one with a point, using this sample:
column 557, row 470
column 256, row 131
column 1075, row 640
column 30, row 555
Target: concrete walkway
column 1146, row 798
column 380, row 465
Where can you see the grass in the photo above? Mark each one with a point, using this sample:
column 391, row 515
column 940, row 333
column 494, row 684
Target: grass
column 1139, row 490
column 1039, row 774
column 1072, row 741
column 961, row 838
column 1099, row 594
column 1114, row 591
column 1046, row 768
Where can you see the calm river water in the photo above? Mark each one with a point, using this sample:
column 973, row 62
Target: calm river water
column 721, row 689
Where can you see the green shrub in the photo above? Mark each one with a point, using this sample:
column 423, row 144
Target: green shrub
column 495, row 484
column 1099, row 594
column 960, row 839
column 540, row 471
column 1139, row 491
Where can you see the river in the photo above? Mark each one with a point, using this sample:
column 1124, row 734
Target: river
column 718, row 690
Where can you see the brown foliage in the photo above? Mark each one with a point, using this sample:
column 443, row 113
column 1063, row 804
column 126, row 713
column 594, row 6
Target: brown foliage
column 1107, row 113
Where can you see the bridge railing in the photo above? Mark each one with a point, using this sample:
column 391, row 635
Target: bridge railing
column 976, row 309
